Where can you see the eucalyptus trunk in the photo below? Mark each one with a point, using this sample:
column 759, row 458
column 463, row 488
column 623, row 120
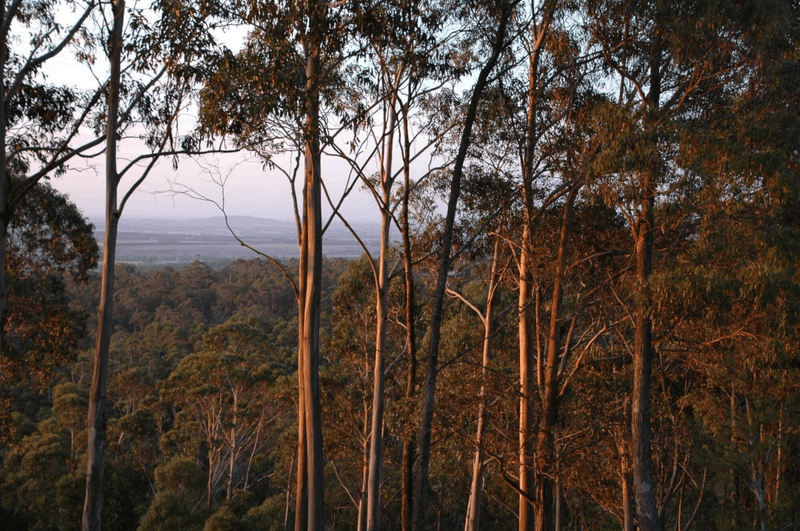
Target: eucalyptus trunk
column 99, row 407
column 641, row 452
column 526, row 387
column 472, row 520
column 312, row 246
column 526, row 332
column 420, row 505
column 376, row 431
column 409, row 444
column 301, row 490
column 361, row 523
column 545, row 440
column 626, row 481
column 381, row 319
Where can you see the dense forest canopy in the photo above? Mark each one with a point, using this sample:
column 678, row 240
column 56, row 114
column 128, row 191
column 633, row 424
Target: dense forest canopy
column 590, row 319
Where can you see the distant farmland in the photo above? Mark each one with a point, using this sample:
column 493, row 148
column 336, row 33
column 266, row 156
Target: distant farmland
column 159, row 242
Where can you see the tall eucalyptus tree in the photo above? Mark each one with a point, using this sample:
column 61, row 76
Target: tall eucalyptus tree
column 403, row 66
column 150, row 79
column 668, row 60
column 277, row 91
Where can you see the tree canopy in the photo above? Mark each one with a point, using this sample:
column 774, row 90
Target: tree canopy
column 589, row 321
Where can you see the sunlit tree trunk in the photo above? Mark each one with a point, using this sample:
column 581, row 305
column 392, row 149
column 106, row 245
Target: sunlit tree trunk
column 361, row 524
column 301, row 490
column 212, row 464
column 472, row 520
column 525, row 328
column 626, row 481
column 641, row 452
column 409, row 444
column 381, row 318
column 312, row 243
column 98, row 401
column 545, row 440
column 526, row 387
column 234, row 446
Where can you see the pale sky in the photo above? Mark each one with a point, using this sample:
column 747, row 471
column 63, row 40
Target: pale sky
column 249, row 189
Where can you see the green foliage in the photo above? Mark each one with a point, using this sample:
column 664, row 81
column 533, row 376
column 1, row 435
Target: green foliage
column 40, row 482
column 178, row 503
column 49, row 242
column 169, row 511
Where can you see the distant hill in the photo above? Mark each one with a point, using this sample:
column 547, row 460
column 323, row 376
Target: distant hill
column 156, row 242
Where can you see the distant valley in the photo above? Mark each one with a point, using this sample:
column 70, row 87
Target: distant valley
column 153, row 242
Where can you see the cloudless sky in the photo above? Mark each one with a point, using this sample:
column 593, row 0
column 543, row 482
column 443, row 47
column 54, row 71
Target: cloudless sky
column 250, row 189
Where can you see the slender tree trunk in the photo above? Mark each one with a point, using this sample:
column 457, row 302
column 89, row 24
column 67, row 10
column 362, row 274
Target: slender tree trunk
column 526, row 388
column 253, row 453
column 312, row 241
column 361, row 524
column 288, row 496
column 472, row 520
column 376, row 439
column 420, row 505
column 98, row 401
column 641, row 460
column 381, row 318
column 526, row 343
column 558, row 509
column 409, row 444
column 234, row 448
column 627, row 487
column 212, row 463
column 5, row 185
column 545, row 440
column 301, row 491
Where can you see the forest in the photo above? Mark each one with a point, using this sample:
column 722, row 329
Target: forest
column 590, row 318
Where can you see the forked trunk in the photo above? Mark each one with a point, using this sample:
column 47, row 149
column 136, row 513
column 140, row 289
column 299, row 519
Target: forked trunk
column 381, row 318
